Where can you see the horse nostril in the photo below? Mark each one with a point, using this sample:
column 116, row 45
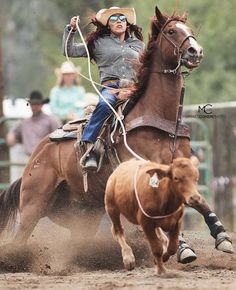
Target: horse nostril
column 192, row 51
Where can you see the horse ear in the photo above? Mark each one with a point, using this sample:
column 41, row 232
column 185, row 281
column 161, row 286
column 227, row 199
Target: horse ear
column 160, row 17
column 162, row 170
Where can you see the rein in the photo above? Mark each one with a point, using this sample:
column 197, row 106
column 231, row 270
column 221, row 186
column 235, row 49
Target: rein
column 178, row 52
column 140, row 205
column 178, row 120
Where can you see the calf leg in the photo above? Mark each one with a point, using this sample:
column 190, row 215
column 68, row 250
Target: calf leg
column 223, row 241
column 118, row 234
column 165, row 242
column 155, row 244
column 173, row 242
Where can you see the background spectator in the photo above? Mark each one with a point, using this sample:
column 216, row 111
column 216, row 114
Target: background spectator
column 30, row 131
column 67, row 97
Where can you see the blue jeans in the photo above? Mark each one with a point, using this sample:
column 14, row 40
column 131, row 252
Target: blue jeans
column 99, row 115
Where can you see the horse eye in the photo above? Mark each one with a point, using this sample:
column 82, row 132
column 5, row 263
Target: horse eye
column 171, row 31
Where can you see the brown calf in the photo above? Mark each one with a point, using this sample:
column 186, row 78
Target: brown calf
column 156, row 204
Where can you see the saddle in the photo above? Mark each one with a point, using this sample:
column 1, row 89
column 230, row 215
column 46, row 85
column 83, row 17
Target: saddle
column 68, row 131
column 103, row 145
column 111, row 134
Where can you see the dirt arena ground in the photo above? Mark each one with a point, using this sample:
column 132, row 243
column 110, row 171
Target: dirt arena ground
column 52, row 262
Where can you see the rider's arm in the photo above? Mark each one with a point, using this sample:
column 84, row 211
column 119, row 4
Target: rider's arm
column 15, row 135
column 73, row 49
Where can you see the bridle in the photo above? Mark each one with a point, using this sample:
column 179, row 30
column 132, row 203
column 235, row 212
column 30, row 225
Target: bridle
column 177, row 48
column 178, row 52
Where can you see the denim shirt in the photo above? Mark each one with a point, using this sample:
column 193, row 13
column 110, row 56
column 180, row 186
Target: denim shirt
column 113, row 57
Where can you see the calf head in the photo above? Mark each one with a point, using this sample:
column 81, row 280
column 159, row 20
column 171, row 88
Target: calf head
column 184, row 175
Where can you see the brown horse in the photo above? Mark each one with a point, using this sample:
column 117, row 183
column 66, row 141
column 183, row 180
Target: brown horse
column 52, row 178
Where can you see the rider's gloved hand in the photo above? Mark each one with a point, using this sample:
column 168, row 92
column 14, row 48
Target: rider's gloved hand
column 73, row 22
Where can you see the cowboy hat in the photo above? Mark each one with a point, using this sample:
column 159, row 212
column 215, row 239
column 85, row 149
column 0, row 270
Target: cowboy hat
column 103, row 15
column 36, row 98
column 67, row 67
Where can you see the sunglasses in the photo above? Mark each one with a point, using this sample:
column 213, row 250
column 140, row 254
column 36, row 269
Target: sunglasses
column 114, row 18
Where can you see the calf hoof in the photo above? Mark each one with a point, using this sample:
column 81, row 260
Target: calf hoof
column 129, row 265
column 129, row 262
column 161, row 270
column 185, row 254
column 224, row 243
column 165, row 257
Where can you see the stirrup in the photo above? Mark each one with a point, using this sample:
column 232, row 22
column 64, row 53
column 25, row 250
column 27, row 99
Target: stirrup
column 91, row 163
column 185, row 254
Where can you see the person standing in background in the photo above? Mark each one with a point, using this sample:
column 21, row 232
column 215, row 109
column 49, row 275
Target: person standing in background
column 67, row 96
column 31, row 131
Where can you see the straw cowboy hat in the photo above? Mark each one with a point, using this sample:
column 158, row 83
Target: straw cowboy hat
column 104, row 14
column 67, row 67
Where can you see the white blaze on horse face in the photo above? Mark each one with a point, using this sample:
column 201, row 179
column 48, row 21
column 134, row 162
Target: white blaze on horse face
column 192, row 41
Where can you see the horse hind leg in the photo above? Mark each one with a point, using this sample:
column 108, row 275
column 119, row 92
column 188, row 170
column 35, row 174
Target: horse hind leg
column 35, row 198
column 118, row 234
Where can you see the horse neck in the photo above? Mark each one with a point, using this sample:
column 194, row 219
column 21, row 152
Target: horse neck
column 162, row 93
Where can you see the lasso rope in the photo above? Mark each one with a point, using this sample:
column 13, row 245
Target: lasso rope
column 93, row 84
column 140, row 205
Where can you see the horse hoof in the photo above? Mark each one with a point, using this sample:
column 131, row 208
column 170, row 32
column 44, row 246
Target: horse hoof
column 224, row 243
column 185, row 254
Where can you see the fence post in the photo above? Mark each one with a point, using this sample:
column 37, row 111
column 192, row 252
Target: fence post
column 4, row 151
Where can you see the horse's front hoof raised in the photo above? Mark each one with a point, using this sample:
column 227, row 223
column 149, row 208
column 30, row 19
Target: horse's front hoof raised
column 224, row 243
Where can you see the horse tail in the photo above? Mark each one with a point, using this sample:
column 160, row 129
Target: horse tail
column 9, row 203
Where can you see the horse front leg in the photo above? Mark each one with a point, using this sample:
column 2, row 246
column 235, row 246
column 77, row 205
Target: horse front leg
column 223, row 241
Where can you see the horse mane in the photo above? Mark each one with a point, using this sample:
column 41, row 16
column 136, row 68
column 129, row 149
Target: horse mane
column 146, row 58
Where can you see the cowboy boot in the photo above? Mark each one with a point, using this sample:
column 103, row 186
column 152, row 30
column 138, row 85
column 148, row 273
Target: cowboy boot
column 90, row 161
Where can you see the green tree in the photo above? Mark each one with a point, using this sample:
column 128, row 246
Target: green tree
column 32, row 32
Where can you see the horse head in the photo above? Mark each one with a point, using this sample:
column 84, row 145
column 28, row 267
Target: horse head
column 175, row 41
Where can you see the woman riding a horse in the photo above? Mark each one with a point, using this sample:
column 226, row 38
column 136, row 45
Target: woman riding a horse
column 116, row 42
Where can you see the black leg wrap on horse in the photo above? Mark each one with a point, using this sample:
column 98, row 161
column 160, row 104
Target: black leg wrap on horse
column 214, row 224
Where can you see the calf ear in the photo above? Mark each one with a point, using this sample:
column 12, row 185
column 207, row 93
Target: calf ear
column 195, row 161
column 162, row 170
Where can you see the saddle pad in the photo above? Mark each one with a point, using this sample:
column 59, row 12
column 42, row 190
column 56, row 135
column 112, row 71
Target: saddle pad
column 60, row 135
